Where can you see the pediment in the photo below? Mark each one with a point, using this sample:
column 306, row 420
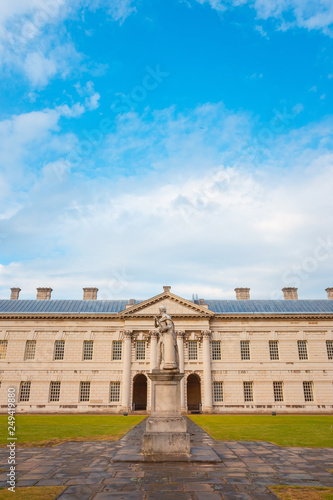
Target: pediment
column 175, row 305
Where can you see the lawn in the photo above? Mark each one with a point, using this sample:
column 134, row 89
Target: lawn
column 302, row 493
column 284, row 430
column 48, row 430
column 35, row 493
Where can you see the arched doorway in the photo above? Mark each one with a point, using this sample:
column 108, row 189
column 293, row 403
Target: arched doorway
column 140, row 392
column 193, row 392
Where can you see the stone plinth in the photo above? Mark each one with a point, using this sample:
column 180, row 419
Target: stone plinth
column 165, row 428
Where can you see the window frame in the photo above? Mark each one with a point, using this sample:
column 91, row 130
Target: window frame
column 140, row 354
column 274, row 351
column 87, row 352
column 115, row 384
column 244, row 343
column 57, row 351
column 216, row 343
column 30, row 354
column 218, row 391
column 3, row 349
column 311, row 391
column 278, row 388
column 302, row 346
column 248, row 384
column 329, row 349
column 25, row 387
column 114, row 351
column 53, row 385
column 192, row 343
column 83, row 384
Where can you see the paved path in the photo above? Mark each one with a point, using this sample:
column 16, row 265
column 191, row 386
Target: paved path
column 245, row 470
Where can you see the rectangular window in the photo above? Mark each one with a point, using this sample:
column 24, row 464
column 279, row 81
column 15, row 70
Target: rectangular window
column 302, row 349
column 218, row 392
column 114, row 391
column 3, row 348
column 117, row 350
column 329, row 347
column 248, row 391
column 278, row 391
column 245, row 349
column 192, row 350
column 88, row 348
column 140, row 349
column 25, row 391
column 30, row 349
column 54, row 391
column 216, row 350
column 274, row 350
column 59, row 349
column 84, row 391
column 308, row 391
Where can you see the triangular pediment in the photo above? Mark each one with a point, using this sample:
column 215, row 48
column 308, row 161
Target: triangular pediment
column 175, row 305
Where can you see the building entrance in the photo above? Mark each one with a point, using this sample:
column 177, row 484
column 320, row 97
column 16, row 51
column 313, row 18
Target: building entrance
column 193, row 392
column 140, row 392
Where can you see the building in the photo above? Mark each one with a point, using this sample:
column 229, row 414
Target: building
column 238, row 355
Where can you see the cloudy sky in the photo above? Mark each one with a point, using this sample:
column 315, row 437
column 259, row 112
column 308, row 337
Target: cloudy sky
column 171, row 142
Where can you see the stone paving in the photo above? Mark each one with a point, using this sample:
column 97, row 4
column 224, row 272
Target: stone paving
column 245, row 470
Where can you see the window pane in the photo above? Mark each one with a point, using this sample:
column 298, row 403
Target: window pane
column 245, row 349
column 140, row 349
column 218, row 392
column 248, row 391
column 278, row 391
column 116, row 349
column 25, row 391
column 308, row 391
column 193, row 350
column 54, row 391
column 59, row 349
column 88, row 347
column 302, row 349
column 274, row 349
column 30, row 349
column 216, row 350
column 3, row 348
column 84, row 391
column 329, row 347
column 114, row 391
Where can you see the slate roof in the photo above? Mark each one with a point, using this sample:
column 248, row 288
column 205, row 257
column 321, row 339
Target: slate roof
column 115, row 306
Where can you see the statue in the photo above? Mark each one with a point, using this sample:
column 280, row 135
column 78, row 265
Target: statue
column 167, row 348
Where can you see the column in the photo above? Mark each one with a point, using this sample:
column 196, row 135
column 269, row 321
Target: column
column 127, row 371
column 207, row 372
column 180, row 343
column 153, row 349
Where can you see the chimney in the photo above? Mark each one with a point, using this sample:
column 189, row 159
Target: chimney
column 290, row 293
column 167, row 288
column 90, row 293
column 329, row 293
column 201, row 302
column 15, row 293
column 131, row 302
column 44, row 293
column 242, row 293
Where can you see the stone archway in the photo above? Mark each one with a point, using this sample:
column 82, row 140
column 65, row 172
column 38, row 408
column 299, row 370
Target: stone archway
column 193, row 392
column 140, row 392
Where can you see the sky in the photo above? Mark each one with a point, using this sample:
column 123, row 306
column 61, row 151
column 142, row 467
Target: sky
column 174, row 142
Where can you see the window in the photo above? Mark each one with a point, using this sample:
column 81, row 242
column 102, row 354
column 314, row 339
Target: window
column 278, row 391
column 274, row 350
column 218, row 392
column 25, row 391
column 114, row 391
column 308, row 391
column 30, row 349
column 302, row 349
column 248, row 391
column 245, row 349
column 329, row 347
column 116, row 349
column 59, row 349
column 192, row 350
column 88, row 348
column 140, row 349
column 216, row 350
column 54, row 391
column 84, row 391
column 3, row 348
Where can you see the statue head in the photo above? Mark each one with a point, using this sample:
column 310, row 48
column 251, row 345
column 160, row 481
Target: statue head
column 162, row 309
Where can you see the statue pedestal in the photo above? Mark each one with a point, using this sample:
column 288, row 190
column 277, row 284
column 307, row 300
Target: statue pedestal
column 165, row 428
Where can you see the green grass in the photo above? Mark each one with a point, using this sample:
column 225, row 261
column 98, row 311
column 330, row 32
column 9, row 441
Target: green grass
column 35, row 493
column 302, row 492
column 284, row 430
column 48, row 430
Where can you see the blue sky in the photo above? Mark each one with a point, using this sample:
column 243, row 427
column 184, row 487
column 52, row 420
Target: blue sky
column 175, row 142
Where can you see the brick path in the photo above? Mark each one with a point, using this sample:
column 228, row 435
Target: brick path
column 245, row 469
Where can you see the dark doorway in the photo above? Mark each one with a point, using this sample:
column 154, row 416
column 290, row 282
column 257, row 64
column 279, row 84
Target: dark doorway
column 140, row 392
column 193, row 392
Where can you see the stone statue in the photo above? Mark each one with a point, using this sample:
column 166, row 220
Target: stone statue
column 167, row 349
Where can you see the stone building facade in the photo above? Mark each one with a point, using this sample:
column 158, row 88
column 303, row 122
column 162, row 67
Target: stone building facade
column 238, row 355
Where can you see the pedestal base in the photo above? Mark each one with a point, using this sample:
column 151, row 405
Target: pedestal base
column 165, row 443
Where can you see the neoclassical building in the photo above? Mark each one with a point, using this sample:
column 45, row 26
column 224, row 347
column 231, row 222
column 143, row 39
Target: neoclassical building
column 238, row 355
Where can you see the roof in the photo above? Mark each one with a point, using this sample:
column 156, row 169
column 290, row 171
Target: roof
column 115, row 306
